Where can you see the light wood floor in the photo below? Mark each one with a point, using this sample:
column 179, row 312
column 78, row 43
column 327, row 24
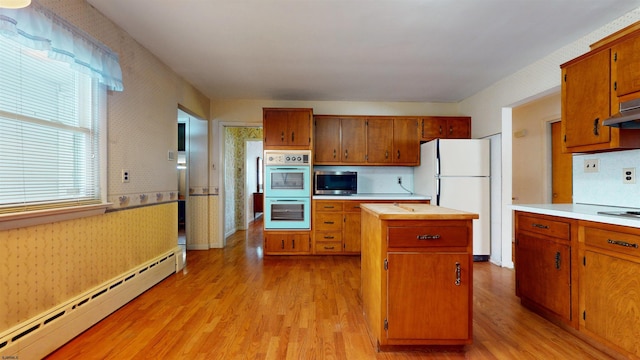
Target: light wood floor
column 234, row 304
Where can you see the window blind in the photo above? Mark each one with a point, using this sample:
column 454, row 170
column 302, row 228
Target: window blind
column 49, row 132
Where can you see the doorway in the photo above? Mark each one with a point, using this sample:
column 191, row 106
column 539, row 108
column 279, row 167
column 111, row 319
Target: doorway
column 234, row 137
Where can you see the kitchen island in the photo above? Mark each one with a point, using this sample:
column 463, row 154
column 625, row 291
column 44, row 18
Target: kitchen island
column 417, row 277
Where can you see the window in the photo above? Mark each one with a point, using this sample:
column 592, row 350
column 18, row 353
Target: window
column 50, row 138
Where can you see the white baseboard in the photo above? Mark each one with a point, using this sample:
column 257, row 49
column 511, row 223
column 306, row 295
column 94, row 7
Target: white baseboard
column 40, row 336
column 197, row 246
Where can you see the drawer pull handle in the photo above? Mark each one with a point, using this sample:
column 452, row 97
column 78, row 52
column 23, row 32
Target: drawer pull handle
column 539, row 226
column 622, row 243
column 558, row 260
column 329, row 207
column 428, row 237
column 329, row 222
column 329, row 247
column 458, row 274
column 329, row 237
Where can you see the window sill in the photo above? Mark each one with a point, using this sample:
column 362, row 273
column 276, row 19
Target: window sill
column 31, row 218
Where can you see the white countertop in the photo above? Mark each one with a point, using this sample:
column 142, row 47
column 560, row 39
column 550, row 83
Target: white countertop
column 581, row 212
column 377, row 196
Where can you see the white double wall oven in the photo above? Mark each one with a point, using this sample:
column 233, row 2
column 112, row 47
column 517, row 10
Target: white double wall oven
column 287, row 192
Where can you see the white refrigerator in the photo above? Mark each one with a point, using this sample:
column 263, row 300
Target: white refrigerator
column 455, row 173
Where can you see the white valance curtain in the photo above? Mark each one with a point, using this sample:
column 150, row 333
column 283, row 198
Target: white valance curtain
column 38, row 28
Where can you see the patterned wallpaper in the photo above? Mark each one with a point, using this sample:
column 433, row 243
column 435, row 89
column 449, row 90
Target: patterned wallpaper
column 235, row 142
column 45, row 265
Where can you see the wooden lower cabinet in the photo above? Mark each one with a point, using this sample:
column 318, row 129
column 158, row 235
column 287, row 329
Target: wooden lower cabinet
column 336, row 225
column 416, row 289
column 610, row 286
column 543, row 260
column 424, row 300
column 287, row 242
column 604, row 279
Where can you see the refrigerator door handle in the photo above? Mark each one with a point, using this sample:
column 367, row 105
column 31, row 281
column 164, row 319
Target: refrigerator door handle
column 438, row 191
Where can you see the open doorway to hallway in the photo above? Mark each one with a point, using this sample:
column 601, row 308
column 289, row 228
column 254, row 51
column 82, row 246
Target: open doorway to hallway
column 237, row 194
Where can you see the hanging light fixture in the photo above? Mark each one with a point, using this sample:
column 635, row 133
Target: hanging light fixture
column 14, row 4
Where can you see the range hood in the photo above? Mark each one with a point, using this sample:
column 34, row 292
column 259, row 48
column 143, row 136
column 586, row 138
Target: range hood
column 628, row 117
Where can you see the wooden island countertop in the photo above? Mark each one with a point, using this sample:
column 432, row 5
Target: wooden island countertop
column 400, row 211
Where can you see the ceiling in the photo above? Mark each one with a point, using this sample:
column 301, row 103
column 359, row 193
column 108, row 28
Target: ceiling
column 354, row 50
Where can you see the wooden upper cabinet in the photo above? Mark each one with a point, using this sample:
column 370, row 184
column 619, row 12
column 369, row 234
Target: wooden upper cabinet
column 327, row 140
column 361, row 140
column 626, row 62
column 287, row 128
column 593, row 85
column 585, row 92
column 380, row 140
column 354, row 144
column 406, row 141
column 445, row 127
column 340, row 140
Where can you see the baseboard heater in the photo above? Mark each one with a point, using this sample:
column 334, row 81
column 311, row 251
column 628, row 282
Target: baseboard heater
column 39, row 336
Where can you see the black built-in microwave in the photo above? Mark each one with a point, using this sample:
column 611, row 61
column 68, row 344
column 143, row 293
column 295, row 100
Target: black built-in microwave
column 335, row 182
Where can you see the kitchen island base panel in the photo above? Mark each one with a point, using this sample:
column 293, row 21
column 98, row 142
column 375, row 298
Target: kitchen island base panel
column 417, row 276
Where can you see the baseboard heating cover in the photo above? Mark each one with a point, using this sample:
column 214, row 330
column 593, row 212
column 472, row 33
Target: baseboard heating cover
column 41, row 335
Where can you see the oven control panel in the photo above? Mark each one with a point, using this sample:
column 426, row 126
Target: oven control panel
column 290, row 157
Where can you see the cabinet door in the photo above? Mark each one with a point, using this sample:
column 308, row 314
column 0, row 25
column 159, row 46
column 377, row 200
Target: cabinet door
column 352, row 232
column 353, row 140
column 285, row 243
column 406, row 141
column 275, row 127
column 459, row 128
column 543, row 273
column 586, row 95
column 327, row 140
column 425, row 299
column 434, row 127
column 626, row 58
column 610, row 287
column 299, row 128
column 379, row 140
column 299, row 243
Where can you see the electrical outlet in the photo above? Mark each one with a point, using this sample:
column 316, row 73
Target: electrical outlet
column 125, row 176
column 629, row 175
column 591, row 165
column 400, row 180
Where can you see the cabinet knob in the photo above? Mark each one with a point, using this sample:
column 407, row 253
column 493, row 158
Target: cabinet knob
column 450, row 130
column 293, row 136
column 596, row 127
column 458, row 274
column 440, row 130
column 346, row 153
column 398, row 154
column 282, row 136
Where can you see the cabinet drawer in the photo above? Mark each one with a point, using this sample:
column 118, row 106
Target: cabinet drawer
column 329, row 236
column 328, row 247
column 352, row 206
column 537, row 225
column 328, row 206
column 427, row 236
column 328, row 221
column 611, row 240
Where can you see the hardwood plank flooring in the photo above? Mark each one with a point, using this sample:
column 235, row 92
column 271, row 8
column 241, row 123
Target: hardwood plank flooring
column 234, row 304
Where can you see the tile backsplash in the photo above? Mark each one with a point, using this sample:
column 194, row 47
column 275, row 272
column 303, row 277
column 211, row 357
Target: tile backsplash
column 378, row 179
column 605, row 187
